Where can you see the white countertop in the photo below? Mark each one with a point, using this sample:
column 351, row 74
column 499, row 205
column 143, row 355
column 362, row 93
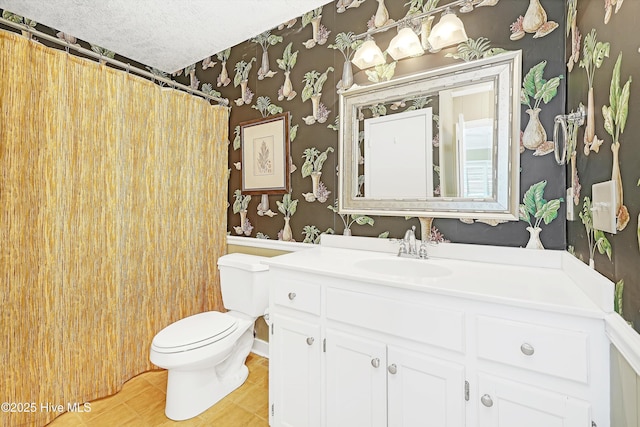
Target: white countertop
column 495, row 275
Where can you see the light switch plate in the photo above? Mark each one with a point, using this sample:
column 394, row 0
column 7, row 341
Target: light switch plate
column 603, row 206
column 571, row 212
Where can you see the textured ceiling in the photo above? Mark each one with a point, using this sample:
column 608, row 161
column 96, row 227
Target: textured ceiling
column 165, row 34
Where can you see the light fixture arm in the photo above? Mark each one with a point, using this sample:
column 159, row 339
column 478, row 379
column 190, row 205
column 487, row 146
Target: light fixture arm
column 408, row 19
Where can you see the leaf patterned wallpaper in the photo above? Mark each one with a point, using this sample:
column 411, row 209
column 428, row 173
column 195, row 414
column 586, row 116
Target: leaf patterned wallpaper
column 298, row 68
column 604, row 59
column 574, row 52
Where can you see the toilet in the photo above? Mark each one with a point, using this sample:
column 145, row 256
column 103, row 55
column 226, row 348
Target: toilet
column 205, row 353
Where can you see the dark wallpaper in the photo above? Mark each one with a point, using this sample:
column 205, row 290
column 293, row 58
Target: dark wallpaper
column 598, row 166
column 492, row 23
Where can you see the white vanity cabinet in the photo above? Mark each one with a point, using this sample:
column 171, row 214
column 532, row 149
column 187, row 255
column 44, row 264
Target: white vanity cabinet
column 352, row 350
column 371, row 384
column 393, row 380
column 549, row 362
column 356, row 378
column 295, row 367
column 507, row 403
column 424, row 390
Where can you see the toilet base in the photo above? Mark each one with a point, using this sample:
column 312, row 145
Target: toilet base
column 182, row 406
column 191, row 392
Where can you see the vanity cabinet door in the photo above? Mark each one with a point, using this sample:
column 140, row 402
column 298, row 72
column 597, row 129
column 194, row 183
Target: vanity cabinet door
column 503, row 403
column 294, row 373
column 356, row 381
column 424, row 391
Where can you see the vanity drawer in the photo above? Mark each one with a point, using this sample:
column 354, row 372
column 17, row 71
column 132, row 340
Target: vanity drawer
column 558, row 352
column 420, row 322
column 297, row 295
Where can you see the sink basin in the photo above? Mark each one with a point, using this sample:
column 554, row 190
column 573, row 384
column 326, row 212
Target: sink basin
column 403, row 267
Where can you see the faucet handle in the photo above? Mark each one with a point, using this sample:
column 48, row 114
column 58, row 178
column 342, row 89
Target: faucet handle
column 403, row 248
column 422, row 252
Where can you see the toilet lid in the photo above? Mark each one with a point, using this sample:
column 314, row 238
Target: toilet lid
column 194, row 331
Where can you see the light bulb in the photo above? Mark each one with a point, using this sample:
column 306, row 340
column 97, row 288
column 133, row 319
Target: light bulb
column 405, row 44
column 368, row 55
column 447, row 32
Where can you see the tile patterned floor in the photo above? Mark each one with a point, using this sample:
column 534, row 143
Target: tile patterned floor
column 140, row 403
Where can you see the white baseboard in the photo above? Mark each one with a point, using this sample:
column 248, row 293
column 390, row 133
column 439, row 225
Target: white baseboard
column 260, row 347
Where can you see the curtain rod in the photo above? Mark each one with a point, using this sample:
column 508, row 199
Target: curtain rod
column 127, row 67
column 433, row 11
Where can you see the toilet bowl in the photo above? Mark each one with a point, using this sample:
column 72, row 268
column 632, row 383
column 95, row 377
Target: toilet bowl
column 205, row 353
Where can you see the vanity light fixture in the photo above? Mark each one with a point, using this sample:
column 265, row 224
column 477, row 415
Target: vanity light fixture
column 447, row 32
column 405, row 44
column 368, row 55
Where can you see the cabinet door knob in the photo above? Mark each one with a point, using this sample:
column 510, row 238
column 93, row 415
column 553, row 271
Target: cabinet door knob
column 527, row 349
column 375, row 362
column 310, row 340
column 393, row 369
column 292, row 295
column 487, row 401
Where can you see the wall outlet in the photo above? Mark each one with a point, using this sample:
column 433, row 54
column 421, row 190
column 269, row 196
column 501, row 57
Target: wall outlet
column 603, row 206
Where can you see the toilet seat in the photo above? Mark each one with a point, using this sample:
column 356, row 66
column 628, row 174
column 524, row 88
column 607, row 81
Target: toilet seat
column 194, row 332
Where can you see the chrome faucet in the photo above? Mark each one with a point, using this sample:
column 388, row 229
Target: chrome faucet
column 410, row 240
column 408, row 246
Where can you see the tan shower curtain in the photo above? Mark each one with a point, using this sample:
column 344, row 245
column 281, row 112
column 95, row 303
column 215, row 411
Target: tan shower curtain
column 113, row 198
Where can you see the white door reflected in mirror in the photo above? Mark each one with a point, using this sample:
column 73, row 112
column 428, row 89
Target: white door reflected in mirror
column 397, row 149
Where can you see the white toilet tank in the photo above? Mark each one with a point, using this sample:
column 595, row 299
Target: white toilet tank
column 243, row 281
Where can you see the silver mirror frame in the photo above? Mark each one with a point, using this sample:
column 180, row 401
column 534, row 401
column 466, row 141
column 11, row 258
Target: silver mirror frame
column 506, row 70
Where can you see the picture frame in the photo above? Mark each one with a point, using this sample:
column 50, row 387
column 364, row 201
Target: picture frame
column 265, row 149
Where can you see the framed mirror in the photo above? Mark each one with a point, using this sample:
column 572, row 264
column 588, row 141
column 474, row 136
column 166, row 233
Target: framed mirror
column 444, row 143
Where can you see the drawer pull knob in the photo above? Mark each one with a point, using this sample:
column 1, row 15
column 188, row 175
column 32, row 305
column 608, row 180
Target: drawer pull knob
column 310, row 340
column 487, row 401
column 292, row 295
column 393, row 369
column 527, row 349
column 375, row 362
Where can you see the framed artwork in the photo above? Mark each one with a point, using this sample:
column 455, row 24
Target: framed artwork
column 265, row 155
